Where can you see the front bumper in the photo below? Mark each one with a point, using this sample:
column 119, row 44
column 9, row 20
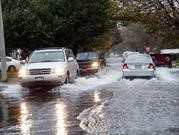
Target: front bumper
column 138, row 73
column 88, row 70
column 42, row 80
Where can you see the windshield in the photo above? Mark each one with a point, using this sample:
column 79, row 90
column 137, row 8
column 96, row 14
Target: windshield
column 87, row 56
column 138, row 58
column 47, row 56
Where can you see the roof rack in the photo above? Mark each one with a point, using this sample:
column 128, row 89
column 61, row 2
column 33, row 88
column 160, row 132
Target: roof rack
column 45, row 48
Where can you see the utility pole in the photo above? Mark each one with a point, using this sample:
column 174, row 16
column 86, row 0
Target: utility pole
column 2, row 48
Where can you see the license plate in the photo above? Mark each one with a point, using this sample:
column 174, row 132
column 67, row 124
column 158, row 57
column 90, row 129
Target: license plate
column 138, row 66
column 39, row 78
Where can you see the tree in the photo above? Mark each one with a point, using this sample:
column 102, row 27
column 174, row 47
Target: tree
column 44, row 23
column 159, row 17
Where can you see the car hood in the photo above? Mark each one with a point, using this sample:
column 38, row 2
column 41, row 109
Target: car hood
column 43, row 65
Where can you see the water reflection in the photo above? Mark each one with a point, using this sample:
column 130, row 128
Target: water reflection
column 98, row 99
column 45, row 112
column 97, row 96
column 25, row 122
column 61, row 114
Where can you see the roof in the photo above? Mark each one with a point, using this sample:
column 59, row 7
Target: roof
column 170, row 51
column 88, row 52
column 50, row 49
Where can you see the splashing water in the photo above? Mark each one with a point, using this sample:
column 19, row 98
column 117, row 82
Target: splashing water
column 164, row 74
column 104, row 77
column 13, row 90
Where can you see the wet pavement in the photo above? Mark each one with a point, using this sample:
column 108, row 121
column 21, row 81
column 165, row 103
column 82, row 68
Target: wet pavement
column 99, row 105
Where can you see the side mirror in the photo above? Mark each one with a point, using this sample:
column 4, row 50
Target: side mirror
column 70, row 59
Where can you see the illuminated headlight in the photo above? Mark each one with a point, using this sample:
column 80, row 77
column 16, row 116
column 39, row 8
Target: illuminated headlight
column 58, row 71
column 22, row 72
column 95, row 64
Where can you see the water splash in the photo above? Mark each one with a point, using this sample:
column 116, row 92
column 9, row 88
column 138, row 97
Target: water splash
column 103, row 77
column 164, row 74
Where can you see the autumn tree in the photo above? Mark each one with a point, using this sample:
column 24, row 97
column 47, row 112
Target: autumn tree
column 160, row 17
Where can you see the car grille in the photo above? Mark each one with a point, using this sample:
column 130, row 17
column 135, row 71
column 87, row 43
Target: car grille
column 85, row 65
column 39, row 71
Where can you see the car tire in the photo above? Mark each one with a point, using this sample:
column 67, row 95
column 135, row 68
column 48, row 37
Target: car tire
column 67, row 80
column 11, row 68
column 127, row 78
column 124, row 77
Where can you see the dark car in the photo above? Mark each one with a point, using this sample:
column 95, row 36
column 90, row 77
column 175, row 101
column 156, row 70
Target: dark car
column 90, row 62
column 162, row 60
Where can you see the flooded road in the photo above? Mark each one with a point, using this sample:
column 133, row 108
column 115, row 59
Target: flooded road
column 100, row 105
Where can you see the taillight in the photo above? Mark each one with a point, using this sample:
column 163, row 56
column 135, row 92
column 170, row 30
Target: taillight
column 151, row 66
column 125, row 66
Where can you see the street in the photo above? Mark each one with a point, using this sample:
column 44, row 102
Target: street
column 103, row 104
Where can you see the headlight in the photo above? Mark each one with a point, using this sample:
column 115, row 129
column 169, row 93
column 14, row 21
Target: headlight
column 58, row 71
column 95, row 64
column 22, row 72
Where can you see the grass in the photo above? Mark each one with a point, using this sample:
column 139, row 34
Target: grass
column 11, row 75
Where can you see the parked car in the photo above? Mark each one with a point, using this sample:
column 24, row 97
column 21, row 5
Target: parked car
column 162, row 60
column 49, row 66
column 138, row 66
column 11, row 64
column 90, row 62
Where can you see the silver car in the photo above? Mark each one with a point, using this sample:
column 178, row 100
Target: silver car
column 138, row 66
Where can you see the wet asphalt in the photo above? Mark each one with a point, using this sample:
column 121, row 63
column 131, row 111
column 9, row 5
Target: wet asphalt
column 44, row 111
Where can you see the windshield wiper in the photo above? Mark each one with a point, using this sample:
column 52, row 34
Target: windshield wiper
column 33, row 62
column 48, row 61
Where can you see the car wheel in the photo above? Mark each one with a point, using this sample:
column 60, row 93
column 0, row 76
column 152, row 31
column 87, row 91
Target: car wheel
column 67, row 80
column 124, row 77
column 11, row 68
column 127, row 78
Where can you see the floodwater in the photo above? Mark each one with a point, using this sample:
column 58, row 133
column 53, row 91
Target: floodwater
column 103, row 104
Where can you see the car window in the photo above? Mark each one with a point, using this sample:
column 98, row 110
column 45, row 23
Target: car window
column 71, row 54
column 137, row 58
column 47, row 56
column 87, row 56
column 67, row 53
column 8, row 59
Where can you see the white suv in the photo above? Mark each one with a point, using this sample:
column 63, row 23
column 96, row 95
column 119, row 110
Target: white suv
column 49, row 66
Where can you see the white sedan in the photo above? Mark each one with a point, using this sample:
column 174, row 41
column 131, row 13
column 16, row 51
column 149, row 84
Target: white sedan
column 138, row 66
column 12, row 64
